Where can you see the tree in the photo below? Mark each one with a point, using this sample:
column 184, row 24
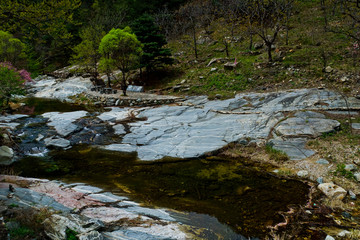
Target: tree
column 122, row 50
column 12, row 82
column 87, row 52
column 11, row 49
column 45, row 25
column 154, row 53
column 270, row 15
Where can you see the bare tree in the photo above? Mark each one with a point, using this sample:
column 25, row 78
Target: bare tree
column 191, row 16
column 270, row 16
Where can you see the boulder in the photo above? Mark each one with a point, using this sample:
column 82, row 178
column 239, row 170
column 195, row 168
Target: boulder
column 332, row 191
column 57, row 142
column 56, row 226
column 6, row 155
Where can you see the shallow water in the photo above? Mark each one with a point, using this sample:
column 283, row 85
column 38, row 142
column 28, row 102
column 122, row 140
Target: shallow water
column 238, row 196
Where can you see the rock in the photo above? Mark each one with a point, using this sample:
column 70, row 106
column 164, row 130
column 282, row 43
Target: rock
column 93, row 235
column 230, row 66
column 133, row 88
column 350, row 167
column 302, row 173
column 87, row 189
column 294, row 148
column 328, row 237
column 258, row 45
column 63, row 122
column 57, row 142
column 119, row 129
column 218, row 96
column 307, row 124
column 352, row 195
column 355, row 126
column 344, row 79
column 6, row 155
column 322, row 161
column 117, row 114
column 183, row 81
column 357, row 176
column 214, row 60
column 332, row 191
column 320, row 180
column 56, row 225
column 329, row 69
column 343, row 233
column 213, row 70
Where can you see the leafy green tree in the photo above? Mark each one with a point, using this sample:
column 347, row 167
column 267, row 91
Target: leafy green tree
column 87, row 52
column 154, row 53
column 123, row 50
column 11, row 49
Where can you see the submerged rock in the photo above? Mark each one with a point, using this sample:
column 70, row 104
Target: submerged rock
column 57, row 142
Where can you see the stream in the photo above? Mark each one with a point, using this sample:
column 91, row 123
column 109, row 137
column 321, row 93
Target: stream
column 230, row 197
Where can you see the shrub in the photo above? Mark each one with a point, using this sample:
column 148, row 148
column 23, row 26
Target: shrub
column 12, row 81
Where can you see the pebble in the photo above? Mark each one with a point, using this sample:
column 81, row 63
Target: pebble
column 322, row 161
column 357, row 176
column 350, row 167
column 328, row 237
column 320, row 180
column 352, row 195
column 302, row 173
column 343, row 233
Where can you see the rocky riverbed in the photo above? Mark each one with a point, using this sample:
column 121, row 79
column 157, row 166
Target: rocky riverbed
column 190, row 128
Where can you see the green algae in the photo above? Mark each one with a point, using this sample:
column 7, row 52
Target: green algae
column 238, row 195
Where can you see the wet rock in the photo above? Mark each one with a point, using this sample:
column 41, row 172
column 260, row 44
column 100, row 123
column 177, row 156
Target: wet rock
column 6, row 155
column 332, row 191
column 56, row 225
column 87, row 189
column 120, row 147
column 119, row 129
column 63, row 122
column 57, row 142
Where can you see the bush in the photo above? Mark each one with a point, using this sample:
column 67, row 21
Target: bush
column 12, row 82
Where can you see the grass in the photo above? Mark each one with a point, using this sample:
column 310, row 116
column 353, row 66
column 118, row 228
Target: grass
column 340, row 170
column 276, row 155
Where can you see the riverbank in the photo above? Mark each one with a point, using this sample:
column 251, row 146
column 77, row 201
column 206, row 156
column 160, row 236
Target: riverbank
column 310, row 134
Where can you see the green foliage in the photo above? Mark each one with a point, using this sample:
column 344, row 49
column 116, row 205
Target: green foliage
column 153, row 43
column 71, row 234
column 340, row 170
column 11, row 83
column 120, row 49
column 21, row 233
column 11, row 49
column 276, row 155
column 87, row 52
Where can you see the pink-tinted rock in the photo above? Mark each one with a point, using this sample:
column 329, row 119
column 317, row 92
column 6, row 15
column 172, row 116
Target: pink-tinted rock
column 108, row 214
column 66, row 196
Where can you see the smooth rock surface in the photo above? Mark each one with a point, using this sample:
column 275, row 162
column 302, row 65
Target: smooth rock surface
column 294, row 148
column 356, row 126
column 57, row 142
column 6, row 155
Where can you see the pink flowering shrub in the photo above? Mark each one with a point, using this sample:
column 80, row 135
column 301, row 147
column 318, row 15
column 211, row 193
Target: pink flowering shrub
column 12, row 82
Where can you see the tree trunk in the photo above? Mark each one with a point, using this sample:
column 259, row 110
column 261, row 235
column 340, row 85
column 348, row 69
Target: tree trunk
column 226, row 48
column 108, row 80
column 195, row 45
column 268, row 45
column 123, row 84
